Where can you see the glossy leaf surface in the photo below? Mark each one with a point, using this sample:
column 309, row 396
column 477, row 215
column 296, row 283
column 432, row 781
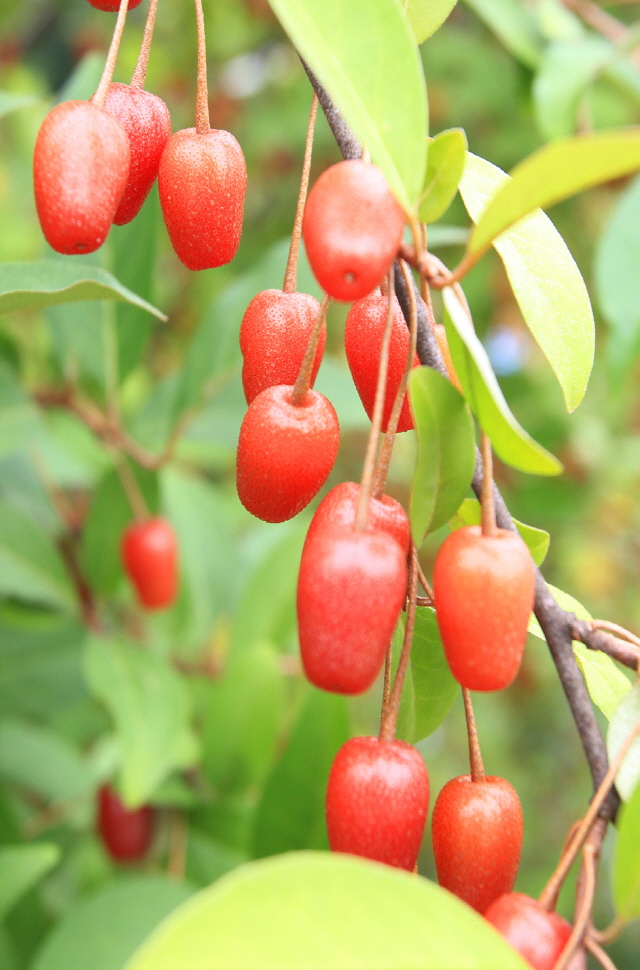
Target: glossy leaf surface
column 425, row 16
column 446, row 160
column 431, row 689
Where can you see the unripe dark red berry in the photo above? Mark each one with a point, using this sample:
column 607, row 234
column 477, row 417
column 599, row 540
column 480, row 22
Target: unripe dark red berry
column 352, row 228
column 202, row 181
column 80, row 169
column 337, row 511
column 146, row 120
column 363, row 333
column 125, row 833
column 377, row 801
column 351, row 588
column 112, row 6
column 285, row 452
column 150, row 559
column 537, row 935
column 477, row 830
column 484, row 588
column 274, row 335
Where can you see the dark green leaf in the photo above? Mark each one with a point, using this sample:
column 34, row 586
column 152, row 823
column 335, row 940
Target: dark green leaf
column 622, row 724
column 446, row 159
column 31, row 567
column 626, row 873
column 537, row 540
column 425, row 16
column 43, row 762
column 21, row 867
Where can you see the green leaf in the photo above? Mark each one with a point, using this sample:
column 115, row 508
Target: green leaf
column 567, row 69
column 425, row 16
column 240, row 739
column 510, row 441
column 545, row 280
column 446, row 450
column 312, row 911
column 432, row 688
column 13, row 102
column 606, row 683
column 43, row 762
column 103, row 931
column 446, row 160
column 290, row 814
column 537, row 540
column 45, row 282
column 31, row 567
column 21, row 868
column 514, row 25
column 621, row 725
column 626, row 871
column 365, row 56
column 19, row 419
column 150, row 706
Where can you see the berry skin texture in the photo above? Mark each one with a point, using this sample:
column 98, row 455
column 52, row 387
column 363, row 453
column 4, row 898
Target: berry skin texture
column 537, row 935
column 274, row 335
column 112, row 6
column 477, row 830
column 146, row 120
column 377, row 801
column 352, row 228
column 337, row 511
column 202, row 181
column 150, row 559
column 351, row 588
column 484, row 590
column 126, row 834
column 364, row 329
column 80, row 169
column 285, row 452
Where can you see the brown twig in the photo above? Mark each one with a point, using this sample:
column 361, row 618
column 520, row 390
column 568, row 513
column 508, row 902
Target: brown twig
column 291, row 272
column 603, row 958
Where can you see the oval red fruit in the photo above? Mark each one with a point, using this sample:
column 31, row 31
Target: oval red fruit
column 477, row 830
column 146, row 120
column 337, row 511
column 112, row 6
column 202, row 181
column 274, row 335
column 352, row 228
column 125, row 833
column 364, row 329
column 484, row 589
column 285, row 452
column 150, row 559
column 351, row 589
column 377, row 801
column 537, row 935
column 80, row 169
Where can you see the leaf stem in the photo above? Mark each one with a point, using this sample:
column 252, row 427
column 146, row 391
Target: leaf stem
column 102, row 90
column 140, row 73
column 291, row 272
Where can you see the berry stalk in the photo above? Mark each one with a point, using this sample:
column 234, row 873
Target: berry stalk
column 102, row 90
column 475, row 754
column 291, row 272
column 140, row 73
column 488, row 508
column 303, row 380
column 203, row 124
column 390, row 715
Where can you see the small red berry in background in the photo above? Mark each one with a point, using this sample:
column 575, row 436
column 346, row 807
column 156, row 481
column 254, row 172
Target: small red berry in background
column 150, row 559
column 377, row 801
column 126, row 834
column 537, row 935
column 364, row 330
column 484, row 589
column 274, row 334
column 80, row 169
column 112, row 6
column 477, row 830
column 337, row 511
column 352, row 228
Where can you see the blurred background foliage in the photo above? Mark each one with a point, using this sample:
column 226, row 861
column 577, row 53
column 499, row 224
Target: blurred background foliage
column 235, row 747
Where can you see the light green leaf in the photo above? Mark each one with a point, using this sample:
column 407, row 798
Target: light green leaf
column 365, row 56
column 19, row 419
column 431, row 690
column 481, row 389
column 45, row 282
column 446, row 450
column 21, row 868
column 626, row 871
column 622, row 724
column 425, row 16
column 567, row 69
column 537, row 540
column 150, row 706
column 446, row 159
column 13, row 102
column 514, row 25
column 31, row 567
column 545, row 280
column 43, row 762
column 310, row 911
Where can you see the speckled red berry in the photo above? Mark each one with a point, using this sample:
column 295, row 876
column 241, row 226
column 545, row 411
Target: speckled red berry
column 150, row 559
column 337, row 511
column 537, row 935
column 126, row 833
column 112, row 6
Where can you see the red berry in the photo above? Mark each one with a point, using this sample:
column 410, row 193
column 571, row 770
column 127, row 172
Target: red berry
column 201, row 182
column 352, row 229
column 274, row 335
column 285, row 452
column 537, row 935
column 80, row 169
column 337, row 511
column 377, row 801
column 484, row 589
column 126, row 834
column 477, row 830
column 150, row 556
column 364, row 329
column 146, row 120
column 351, row 588
column 112, row 6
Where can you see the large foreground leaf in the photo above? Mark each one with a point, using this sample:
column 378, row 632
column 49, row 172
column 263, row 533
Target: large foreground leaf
column 626, row 874
column 425, row 16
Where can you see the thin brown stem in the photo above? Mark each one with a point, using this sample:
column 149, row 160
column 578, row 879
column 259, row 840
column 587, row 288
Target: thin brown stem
column 424, row 582
column 610, row 932
column 291, row 272
column 475, row 754
column 140, row 73
column 132, row 489
column 386, row 684
column 178, row 836
column 620, row 631
column 487, row 502
column 603, row 958
column 390, row 720
column 303, row 380
column 102, row 90
column 203, row 125
column 585, row 893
